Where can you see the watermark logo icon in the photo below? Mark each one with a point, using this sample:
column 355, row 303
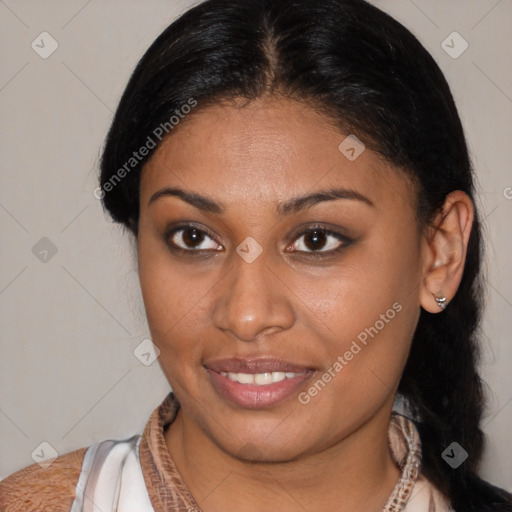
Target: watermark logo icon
column 249, row 249
column 146, row 352
column 454, row 45
column 454, row 455
column 44, row 45
column 351, row 147
column 44, row 250
column 44, row 454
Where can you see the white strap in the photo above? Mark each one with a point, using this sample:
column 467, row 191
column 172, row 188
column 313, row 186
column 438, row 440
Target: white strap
column 111, row 479
column 425, row 498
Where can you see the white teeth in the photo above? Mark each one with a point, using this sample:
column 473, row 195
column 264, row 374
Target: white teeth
column 260, row 379
column 263, row 378
column 278, row 376
column 245, row 378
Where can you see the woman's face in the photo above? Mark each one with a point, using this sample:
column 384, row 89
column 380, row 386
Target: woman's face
column 241, row 292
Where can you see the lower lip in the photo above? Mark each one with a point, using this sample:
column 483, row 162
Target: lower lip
column 252, row 396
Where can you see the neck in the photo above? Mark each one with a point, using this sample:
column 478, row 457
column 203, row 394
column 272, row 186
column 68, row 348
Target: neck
column 357, row 473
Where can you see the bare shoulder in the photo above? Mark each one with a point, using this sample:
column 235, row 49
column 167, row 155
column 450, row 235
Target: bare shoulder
column 35, row 488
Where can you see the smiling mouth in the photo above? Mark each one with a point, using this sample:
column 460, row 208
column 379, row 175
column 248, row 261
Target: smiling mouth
column 258, row 383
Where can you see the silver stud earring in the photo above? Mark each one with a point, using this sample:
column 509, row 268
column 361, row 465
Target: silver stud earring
column 441, row 302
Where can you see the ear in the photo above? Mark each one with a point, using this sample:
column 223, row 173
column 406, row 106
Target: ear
column 444, row 248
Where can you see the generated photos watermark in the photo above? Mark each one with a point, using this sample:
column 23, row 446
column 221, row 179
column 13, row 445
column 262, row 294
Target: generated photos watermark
column 156, row 136
column 342, row 360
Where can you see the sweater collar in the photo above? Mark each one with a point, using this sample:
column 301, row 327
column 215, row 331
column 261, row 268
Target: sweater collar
column 168, row 491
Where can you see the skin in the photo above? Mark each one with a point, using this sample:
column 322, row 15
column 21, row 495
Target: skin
column 330, row 454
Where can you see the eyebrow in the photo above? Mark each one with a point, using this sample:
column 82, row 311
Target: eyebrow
column 289, row 207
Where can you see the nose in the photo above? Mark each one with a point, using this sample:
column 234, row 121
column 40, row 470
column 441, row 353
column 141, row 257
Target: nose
column 253, row 301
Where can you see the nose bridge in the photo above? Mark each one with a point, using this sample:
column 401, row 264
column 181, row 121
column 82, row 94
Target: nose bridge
column 252, row 299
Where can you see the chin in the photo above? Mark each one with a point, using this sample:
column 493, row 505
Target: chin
column 263, row 445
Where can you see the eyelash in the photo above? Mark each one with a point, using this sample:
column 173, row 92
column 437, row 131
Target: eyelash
column 313, row 254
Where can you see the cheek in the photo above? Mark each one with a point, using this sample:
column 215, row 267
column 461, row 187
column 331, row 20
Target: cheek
column 346, row 299
column 365, row 320
column 176, row 304
column 162, row 291
column 366, row 313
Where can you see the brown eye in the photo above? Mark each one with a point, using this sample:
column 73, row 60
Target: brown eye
column 190, row 238
column 319, row 242
column 315, row 240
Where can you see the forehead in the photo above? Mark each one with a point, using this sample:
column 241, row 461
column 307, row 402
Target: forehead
column 265, row 151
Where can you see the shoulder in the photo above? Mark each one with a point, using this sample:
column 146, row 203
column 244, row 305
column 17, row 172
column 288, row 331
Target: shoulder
column 35, row 488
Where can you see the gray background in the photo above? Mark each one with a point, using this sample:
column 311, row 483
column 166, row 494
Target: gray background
column 69, row 325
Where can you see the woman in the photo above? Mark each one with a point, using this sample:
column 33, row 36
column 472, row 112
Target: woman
column 296, row 177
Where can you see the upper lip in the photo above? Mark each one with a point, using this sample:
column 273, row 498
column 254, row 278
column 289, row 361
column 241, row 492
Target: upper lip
column 256, row 365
